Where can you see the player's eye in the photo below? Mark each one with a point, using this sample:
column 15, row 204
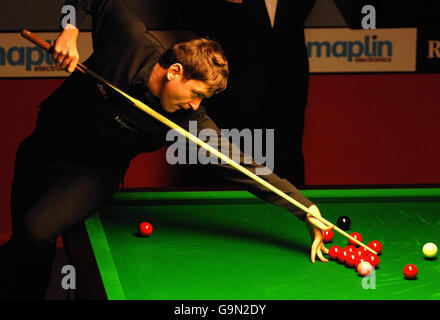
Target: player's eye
column 198, row 95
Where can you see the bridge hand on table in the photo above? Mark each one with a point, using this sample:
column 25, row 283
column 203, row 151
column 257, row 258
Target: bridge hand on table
column 315, row 228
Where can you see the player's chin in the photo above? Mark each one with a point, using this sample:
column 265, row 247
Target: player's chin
column 170, row 109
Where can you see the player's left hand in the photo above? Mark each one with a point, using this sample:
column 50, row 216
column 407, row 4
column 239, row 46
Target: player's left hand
column 315, row 228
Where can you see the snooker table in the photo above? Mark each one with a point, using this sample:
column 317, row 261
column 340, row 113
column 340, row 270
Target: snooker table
column 230, row 245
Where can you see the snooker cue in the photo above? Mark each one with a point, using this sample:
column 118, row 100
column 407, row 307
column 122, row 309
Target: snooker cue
column 140, row 105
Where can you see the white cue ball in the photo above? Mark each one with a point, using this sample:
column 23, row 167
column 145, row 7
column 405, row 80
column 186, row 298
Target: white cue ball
column 364, row 268
column 429, row 250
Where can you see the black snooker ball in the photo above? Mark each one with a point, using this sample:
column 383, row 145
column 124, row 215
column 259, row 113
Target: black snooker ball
column 344, row 223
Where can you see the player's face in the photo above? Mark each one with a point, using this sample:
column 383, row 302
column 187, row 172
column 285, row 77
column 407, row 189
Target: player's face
column 179, row 93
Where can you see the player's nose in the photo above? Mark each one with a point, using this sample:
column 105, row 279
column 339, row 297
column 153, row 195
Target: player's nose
column 195, row 105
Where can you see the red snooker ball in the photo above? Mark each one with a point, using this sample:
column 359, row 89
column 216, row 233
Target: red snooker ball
column 350, row 260
column 359, row 260
column 365, row 251
column 376, row 246
column 373, row 260
column 357, row 236
column 145, row 229
column 350, row 249
column 410, row 271
column 342, row 256
column 327, row 236
column 360, row 253
column 334, row 251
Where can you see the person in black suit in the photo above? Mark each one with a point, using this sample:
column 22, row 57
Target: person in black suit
column 269, row 73
column 86, row 137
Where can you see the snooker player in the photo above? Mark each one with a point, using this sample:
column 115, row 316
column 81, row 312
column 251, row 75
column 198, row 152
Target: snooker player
column 86, row 136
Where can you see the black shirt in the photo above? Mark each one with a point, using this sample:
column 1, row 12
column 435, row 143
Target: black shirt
column 86, row 125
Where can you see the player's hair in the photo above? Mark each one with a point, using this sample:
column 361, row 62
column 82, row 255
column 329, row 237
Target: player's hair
column 202, row 59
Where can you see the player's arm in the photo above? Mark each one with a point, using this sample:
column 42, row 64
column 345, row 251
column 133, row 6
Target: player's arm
column 231, row 174
column 112, row 21
column 314, row 226
column 65, row 51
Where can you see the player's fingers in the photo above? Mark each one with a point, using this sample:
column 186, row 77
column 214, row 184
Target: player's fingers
column 55, row 56
column 61, row 61
column 318, row 224
column 324, row 227
column 56, row 52
column 72, row 65
column 324, row 249
column 314, row 249
column 65, row 63
column 321, row 257
column 311, row 230
column 58, row 59
column 59, row 54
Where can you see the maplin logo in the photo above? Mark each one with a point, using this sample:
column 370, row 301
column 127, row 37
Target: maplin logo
column 27, row 57
column 371, row 48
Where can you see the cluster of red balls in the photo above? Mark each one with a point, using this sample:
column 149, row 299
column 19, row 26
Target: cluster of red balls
column 361, row 258
column 354, row 256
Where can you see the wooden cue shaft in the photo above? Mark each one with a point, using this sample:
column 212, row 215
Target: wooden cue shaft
column 140, row 105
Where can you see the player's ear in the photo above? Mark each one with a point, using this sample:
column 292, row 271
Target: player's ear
column 175, row 71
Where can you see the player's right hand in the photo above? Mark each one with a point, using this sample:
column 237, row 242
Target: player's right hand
column 65, row 53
